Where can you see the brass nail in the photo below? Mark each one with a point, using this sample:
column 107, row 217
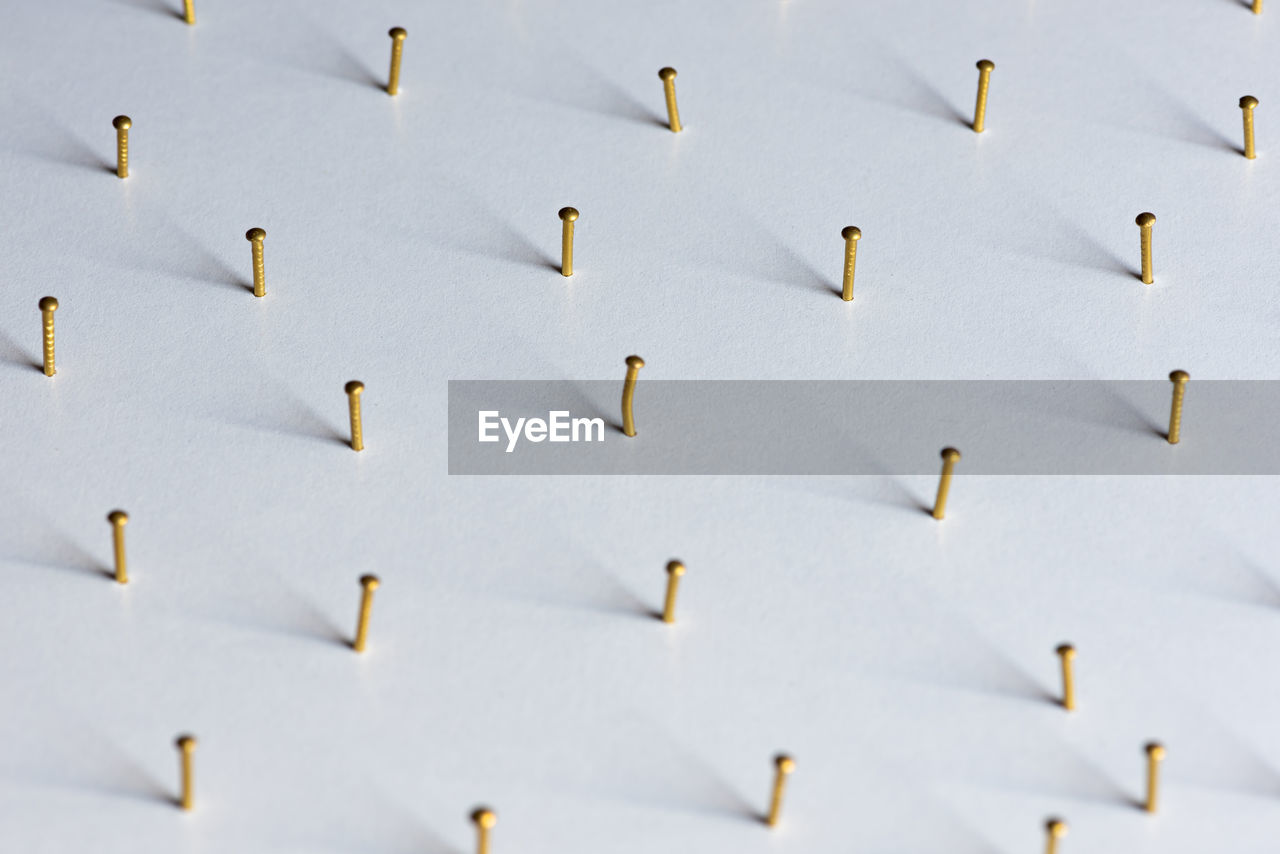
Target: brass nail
column 634, row 364
column 675, row 569
column 189, row 11
column 1056, row 828
column 1179, row 380
column 1155, row 755
column 122, row 125
column 668, row 76
column 1067, row 653
column 48, row 305
column 784, row 767
column 256, row 236
column 397, row 48
column 851, row 234
column 568, row 216
column 1145, row 221
column 484, row 819
column 985, row 67
column 950, row 456
column 186, row 748
column 354, row 389
column 1257, row 7
column 368, row 584
column 1247, row 105
column 118, row 519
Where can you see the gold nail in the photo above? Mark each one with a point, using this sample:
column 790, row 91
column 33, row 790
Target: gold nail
column 354, row 389
column 484, row 819
column 1179, row 380
column 950, row 456
column 634, row 364
column 1257, row 7
column 675, row 569
column 1247, row 105
column 1155, row 755
column 785, row 765
column 668, row 76
column 122, row 125
column 368, row 584
column 48, row 305
column 1067, row 653
column 186, row 748
column 1057, row 828
column 397, row 48
column 1145, row 221
column 985, row 67
column 851, row 234
column 189, row 11
column 256, row 236
column 568, row 216
column 118, row 519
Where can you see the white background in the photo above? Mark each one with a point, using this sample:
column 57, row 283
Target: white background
column 907, row 664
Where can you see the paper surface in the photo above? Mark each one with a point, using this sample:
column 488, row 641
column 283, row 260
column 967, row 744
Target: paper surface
column 907, row 664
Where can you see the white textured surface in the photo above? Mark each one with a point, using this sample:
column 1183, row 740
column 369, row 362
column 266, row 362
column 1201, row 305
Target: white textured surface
column 904, row 663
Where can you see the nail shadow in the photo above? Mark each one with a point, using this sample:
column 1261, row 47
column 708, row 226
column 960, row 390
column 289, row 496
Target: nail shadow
column 486, row 233
column 588, row 89
column 971, row 663
column 1069, row 243
column 58, row 551
column 42, row 136
column 919, row 95
column 323, row 55
column 685, row 783
column 1165, row 115
column 592, row 589
column 155, row 6
column 769, row 258
column 1238, row 579
column 209, row 267
column 293, row 615
column 291, row 416
column 1069, row 775
column 14, row 356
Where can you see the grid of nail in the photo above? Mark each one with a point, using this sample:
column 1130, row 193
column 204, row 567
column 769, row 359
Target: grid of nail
column 485, row 819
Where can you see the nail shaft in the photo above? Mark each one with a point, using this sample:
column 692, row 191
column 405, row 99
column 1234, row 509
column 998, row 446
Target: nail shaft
column 1179, row 380
column 122, row 125
column 48, row 305
column 784, row 766
column 397, row 49
column 484, row 820
column 568, row 216
column 1056, row 829
column 634, row 364
column 186, row 751
column 1067, row 653
column 354, row 389
column 1145, row 222
column 985, row 67
column 368, row 584
column 675, row 569
column 189, row 11
column 851, row 235
column 1155, row 755
column 256, row 236
column 118, row 519
column 949, row 458
column 1247, row 105
column 668, row 76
